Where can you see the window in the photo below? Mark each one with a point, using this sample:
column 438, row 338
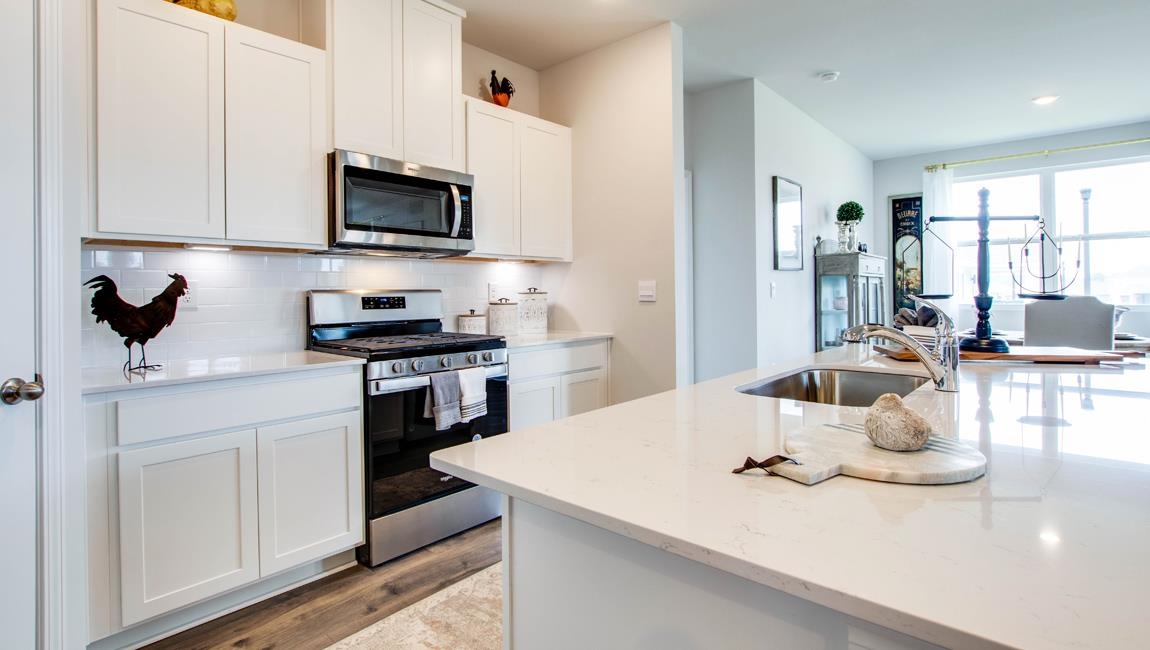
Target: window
column 1106, row 253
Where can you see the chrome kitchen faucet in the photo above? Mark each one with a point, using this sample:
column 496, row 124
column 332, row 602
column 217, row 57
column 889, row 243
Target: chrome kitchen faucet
column 942, row 363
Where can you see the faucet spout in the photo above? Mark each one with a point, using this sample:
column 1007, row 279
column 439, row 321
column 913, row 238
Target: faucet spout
column 941, row 363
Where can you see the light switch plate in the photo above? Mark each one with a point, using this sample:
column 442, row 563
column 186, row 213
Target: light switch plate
column 647, row 291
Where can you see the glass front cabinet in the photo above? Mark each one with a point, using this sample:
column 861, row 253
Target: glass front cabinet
column 850, row 289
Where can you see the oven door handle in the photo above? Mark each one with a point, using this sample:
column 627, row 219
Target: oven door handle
column 400, row 384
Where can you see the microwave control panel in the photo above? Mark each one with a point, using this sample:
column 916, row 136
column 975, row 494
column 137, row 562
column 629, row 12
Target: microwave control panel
column 465, row 219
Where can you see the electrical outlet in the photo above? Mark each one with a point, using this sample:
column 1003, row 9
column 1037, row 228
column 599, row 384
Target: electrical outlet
column 190, row 301
column 496, row 291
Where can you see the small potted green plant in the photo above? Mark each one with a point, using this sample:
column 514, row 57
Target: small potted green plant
column 848, row 216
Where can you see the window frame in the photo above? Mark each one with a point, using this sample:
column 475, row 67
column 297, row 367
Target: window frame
column 1046, row 202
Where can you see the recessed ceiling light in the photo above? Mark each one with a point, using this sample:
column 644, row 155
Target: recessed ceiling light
column 829, row 76
column 1046, row 100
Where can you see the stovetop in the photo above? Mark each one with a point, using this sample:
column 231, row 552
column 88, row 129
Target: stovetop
column 410, row 341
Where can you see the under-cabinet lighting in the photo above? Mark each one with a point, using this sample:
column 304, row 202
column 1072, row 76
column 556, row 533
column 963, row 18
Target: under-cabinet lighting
column 207, row 247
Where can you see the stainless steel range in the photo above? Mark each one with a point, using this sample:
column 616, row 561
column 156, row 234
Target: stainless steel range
column 400, row 333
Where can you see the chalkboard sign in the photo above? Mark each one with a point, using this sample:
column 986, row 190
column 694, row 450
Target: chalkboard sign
column 906, row 233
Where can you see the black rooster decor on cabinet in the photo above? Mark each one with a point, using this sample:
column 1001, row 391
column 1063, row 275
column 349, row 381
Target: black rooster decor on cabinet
column 501, row 91
column 136, row 324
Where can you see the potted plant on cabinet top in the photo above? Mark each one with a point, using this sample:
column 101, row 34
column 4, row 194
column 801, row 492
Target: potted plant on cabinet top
column 848, row 216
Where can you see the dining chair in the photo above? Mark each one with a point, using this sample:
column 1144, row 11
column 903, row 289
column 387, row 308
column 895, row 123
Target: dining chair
column 1078, row 322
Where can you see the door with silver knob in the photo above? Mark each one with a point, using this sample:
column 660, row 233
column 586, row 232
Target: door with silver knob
column 15, row 390
column 18, row 246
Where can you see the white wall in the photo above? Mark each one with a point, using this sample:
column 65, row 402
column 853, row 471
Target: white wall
column 721, row 156
column 904, row 176
column 623, row 103
column 254, row 302
column 477, row 66
column 790, row 143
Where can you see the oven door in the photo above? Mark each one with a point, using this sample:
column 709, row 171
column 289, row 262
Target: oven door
column 400, row 440
column 391, row 205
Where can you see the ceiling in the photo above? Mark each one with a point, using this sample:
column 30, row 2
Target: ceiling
column 917, row 75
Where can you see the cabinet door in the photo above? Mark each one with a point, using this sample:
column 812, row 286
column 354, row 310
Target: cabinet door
column 310, row 490
column 277, row 143
column 583, row 391
column 160, row 120
column 493, row 158
column 187, row 522
column 546, row 190
column 535, row 402
column 367, row 76
column 432, row 85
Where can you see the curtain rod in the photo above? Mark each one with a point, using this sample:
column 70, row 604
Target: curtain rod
column 1045, row 152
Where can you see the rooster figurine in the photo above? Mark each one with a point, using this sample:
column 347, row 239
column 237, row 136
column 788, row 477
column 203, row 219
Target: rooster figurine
column 501, row 91
column 136, row 324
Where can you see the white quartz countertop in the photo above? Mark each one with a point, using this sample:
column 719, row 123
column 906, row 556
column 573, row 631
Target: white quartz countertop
column 1051, row 549
column 186, row 371
column 554, row 337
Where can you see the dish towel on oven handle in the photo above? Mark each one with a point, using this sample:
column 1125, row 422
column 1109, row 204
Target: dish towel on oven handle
column 473, row 393
column 442, row 401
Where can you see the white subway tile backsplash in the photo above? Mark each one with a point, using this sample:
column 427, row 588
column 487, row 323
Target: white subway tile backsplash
column 254, row 302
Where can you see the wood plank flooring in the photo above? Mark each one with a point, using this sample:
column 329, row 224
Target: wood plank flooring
column 319, row 614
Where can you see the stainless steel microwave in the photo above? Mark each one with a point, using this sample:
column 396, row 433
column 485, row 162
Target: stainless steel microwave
column 391, row 207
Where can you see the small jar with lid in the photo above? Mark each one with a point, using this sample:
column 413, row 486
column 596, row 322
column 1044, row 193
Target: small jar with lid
column 533, row 311
column 503, row 317
column 473, row 323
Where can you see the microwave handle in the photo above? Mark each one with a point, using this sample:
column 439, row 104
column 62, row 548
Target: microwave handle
column 458, row 211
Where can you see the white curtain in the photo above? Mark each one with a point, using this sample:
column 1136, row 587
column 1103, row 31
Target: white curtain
column 937, row 259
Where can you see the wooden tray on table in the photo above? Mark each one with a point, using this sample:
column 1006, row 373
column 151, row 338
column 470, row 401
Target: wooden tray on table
column 1016, row 353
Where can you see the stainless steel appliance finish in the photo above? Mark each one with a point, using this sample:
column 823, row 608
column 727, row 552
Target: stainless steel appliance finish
column 407, row 530
column 838, row 387
column 350, row 234
column 408, row 504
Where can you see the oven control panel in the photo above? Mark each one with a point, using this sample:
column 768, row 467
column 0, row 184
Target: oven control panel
column 383, row 302
column 435, row 363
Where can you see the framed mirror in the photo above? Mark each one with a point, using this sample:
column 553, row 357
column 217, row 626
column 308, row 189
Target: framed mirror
column 788, row 225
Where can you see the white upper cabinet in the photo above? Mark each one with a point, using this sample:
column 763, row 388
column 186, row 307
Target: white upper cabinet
column 546, row 193
column 367, row 73
column 432, row 83
column 189, row 104
column 160, row 107
column 397, row 70
column 276, row 139
column 522, row 169
column 493, row 158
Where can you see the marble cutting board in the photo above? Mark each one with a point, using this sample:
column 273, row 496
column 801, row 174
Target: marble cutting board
column 827, row 450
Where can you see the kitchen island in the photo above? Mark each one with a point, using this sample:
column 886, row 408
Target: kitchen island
column 624, row 527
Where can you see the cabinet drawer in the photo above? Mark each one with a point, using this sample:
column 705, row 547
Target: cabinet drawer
column 870, row 267
column 553, row 361
column 168, row 416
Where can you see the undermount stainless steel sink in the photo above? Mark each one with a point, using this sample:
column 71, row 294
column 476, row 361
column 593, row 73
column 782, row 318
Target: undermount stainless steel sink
column 838, row 387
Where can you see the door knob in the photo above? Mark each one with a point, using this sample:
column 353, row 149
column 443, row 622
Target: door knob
column 14, row 391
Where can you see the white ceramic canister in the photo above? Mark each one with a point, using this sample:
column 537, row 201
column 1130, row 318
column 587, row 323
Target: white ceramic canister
column 503, row 317
column 472, row 323
column 532, row 311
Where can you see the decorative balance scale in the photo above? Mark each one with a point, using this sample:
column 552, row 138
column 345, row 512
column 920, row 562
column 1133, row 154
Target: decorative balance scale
column 983, row 339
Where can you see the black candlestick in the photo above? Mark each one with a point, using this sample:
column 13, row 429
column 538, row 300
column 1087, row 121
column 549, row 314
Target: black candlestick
column 983, row 339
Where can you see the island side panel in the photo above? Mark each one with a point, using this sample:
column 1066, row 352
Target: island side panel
column 569, row 584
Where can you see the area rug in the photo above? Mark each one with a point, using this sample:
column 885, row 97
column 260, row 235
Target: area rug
column 468, row 615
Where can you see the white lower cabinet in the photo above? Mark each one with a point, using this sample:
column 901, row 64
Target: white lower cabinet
column 557, row 381
column 206, row 488
column 311, row 489
column 583, row 391
column 535, row 402
column 188, row 525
